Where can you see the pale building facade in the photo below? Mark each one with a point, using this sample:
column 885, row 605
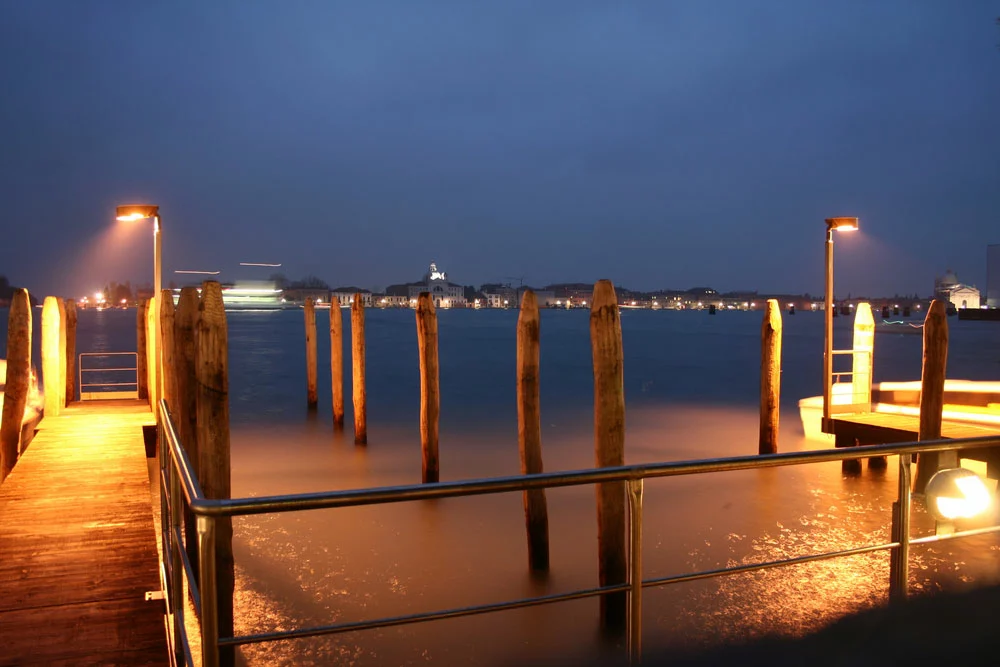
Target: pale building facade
column 948, row 289
column 444, row 293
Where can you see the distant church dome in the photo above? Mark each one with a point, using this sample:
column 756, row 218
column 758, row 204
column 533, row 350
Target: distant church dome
column 949, row 279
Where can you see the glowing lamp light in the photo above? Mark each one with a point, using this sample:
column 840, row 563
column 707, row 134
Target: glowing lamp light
column 957, row 493
column 134, row 212
column 842, row 224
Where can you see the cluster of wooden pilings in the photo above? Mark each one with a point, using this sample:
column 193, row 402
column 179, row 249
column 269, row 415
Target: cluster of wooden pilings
column 932, row 379
column 58, row 369
column 195, row 383
column 609, row 415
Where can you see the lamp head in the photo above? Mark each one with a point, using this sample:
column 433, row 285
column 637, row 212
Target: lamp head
column 957, row 493
column 842, row 224
column 136, row 212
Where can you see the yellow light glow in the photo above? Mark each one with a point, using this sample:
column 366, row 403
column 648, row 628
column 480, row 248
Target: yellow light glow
column 131, row 217
column 957, row 493
column 842, row 224
column 98, row 296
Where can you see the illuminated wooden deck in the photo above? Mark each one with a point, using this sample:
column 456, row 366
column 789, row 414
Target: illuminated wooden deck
column 876, row 428
column 77, row 543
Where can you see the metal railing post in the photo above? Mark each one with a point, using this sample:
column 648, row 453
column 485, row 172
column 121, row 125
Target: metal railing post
column 162, row 472
column 635, row 571
column 176, row 581
column 899, row 558
column 209, row 592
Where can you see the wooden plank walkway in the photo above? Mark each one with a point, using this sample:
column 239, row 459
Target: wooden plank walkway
column 880, row 427
column 77, row 544
column 876, row 428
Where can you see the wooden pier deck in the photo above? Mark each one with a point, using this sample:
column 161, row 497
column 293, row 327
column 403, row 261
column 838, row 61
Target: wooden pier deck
column 77, row 543
column 876, row 428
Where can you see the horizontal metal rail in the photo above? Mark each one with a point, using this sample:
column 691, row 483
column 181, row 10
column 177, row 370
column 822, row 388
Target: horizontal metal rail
column 393, row 494
column 420, row 618
column 110, row 369
column 179, row 478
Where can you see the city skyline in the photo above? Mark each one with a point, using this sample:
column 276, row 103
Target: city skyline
column 651, row 145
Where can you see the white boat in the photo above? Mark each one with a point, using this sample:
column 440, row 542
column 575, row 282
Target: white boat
column 254, row 295
column 899, row 327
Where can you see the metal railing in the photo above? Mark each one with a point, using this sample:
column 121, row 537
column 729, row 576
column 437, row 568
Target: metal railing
column 110, row 389
column 181, row 490
column 863, row 393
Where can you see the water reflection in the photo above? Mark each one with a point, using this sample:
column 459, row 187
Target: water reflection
column 366, row 562
column 691, row 384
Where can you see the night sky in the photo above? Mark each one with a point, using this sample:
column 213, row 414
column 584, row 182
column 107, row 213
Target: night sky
column 659, row 144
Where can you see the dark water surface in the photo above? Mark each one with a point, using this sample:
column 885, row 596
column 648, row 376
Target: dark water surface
column 691, row 386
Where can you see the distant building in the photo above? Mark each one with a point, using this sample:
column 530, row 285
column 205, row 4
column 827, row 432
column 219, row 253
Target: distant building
column 300, row 294
column 345, row 296
column 445, row 294
column 948, row 289
column 993, row 275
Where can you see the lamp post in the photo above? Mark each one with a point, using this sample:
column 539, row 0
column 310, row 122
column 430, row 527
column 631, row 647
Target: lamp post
column 131, row 213
column 843, row 225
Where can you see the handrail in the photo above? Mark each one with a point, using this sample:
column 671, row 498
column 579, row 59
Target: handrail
column 403, row 493
column 131, row 369
column 179, row 486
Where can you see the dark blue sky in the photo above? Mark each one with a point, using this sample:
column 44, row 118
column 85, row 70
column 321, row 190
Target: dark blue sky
column 659, row 144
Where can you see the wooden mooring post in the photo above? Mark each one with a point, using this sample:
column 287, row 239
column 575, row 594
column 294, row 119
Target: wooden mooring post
column 529, row 429
column 18, row 380
column 142, row 373
column 312, row 397
column 609, row 449
column 185, row 412
column 211, row 360
column 152, row 353
column 63, row 365
column 337, row 362
column 358, row 393
column 770, row 378
column 53, row 357
column 71, row 369
column 932, row 376
column 430, row 392
column 169, row 363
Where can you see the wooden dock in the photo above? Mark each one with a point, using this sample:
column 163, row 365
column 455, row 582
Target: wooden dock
column 876, row 428
column 77, row 543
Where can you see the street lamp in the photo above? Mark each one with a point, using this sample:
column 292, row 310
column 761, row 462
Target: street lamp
column 131, row 213
column 841, row 225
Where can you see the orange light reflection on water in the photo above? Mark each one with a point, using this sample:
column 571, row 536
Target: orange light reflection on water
column 362, row 563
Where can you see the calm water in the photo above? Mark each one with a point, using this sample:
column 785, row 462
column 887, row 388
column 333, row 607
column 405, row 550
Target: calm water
column 691, row 385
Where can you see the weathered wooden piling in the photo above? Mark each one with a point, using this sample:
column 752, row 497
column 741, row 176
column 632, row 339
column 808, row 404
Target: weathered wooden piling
column 863, row 367
column 312, row 397
column 152, row 353
column 185, row 411
column 168, row 359
column 211, row 358
column 529, row 429
column 71, row 369
column 932, row 377
column 141, row 373
column 53, row 357
column 337, row 362
column 609, row 448
column 18, row 380
column 63, row 365
column 358, row 393
column 770, row 378
column 862, row 361
column 430, row 393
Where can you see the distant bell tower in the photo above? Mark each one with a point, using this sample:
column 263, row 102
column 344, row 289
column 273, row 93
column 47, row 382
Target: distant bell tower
column 434, row 274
